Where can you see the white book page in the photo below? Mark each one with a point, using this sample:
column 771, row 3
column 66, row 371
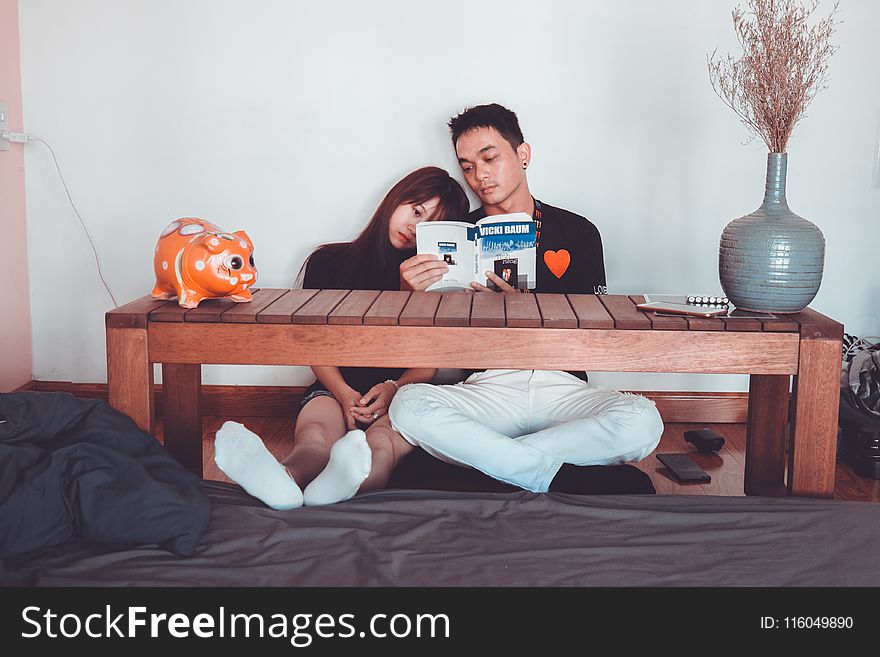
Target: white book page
column 507, row 247
column 448, row 240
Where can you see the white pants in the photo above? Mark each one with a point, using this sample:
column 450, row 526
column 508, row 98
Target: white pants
column 520, row 426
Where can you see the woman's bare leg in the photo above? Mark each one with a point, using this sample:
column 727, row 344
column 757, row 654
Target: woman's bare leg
column 329, row 462
column 387, row 447
column 319, row 425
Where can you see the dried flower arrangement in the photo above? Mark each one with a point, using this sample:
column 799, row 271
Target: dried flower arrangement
column 783, row 66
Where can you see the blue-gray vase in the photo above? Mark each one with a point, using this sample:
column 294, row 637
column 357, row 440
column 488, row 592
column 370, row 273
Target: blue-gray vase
column 771, row 260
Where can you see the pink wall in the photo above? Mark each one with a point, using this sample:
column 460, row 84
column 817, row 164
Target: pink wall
column 16, row 362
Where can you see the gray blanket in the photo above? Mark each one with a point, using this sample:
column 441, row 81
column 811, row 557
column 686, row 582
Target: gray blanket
column 74, row 467
column 429, row 538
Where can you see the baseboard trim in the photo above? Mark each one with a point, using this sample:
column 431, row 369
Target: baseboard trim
column 701, row 407
column 283, row 401
column 25, row 386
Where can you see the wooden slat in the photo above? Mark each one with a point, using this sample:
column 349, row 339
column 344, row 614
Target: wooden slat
column 522, row 311
column 661, row 322
column 169, row 311
column 666, row 323
column 782, row 324
column 766, row 435
column 133, row 314
column 816, row 325
column 246, row 313
column 316, row 309
column 420, row 309
column 209, row 310
column 555, row 311
column 624, row 312
column 353, row 308
column 589, row 311
column 281, row 310
column 455, row 309
column 387, row 308
column 749, row 324
column 600, row 350
column 705, row 323
column 488, row 310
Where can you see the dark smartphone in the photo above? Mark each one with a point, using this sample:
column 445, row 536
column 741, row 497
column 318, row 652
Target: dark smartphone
column 684, row 469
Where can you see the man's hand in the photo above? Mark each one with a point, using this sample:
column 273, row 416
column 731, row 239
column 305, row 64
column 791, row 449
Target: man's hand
column 421, row 270
column 503, row 285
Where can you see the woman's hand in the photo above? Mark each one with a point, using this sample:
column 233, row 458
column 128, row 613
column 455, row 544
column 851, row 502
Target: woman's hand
column 348, row 397
column 374, row 404
column 421, row 270
column 503, row 285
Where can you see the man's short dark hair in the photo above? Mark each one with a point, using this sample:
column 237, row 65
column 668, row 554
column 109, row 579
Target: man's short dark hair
column 488, row 116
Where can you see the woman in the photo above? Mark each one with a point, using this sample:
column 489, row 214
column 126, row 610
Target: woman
column 343, row 442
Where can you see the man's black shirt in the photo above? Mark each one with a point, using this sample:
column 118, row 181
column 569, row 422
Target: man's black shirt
column 569, row 257
column 572, row 246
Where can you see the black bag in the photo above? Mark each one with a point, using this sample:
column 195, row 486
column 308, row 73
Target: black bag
column 860, row 405
column 860, row 375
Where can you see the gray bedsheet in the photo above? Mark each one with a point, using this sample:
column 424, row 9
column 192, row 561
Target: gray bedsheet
column 430, row 538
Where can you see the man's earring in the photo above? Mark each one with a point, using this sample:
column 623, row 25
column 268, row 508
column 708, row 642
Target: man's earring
column 525, row 164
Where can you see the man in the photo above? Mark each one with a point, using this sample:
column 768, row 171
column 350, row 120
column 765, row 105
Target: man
column 529, row 428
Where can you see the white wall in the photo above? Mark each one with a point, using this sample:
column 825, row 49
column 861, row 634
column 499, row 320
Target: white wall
column 291, row 119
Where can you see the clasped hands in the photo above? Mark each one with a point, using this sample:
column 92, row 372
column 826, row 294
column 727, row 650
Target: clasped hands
column 420, row 271
column 366, row 409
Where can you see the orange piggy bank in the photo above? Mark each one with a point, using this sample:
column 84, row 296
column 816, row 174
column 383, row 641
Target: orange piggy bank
column 196, row 260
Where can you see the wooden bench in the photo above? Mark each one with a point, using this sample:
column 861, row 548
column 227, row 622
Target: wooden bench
column 465, row 330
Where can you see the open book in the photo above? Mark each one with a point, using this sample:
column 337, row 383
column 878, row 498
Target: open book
column 502, row 243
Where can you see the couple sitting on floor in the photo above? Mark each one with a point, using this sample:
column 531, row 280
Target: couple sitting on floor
column 529, row 428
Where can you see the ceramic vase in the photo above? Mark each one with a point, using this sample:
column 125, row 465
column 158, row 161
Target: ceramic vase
column 771, row 260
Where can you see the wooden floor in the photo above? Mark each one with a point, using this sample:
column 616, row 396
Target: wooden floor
column 725, row 467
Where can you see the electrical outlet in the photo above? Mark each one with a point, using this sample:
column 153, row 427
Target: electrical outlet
column 4, row 125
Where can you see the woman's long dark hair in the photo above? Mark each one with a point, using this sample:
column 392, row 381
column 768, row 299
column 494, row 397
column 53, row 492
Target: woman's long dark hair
column 370, row 261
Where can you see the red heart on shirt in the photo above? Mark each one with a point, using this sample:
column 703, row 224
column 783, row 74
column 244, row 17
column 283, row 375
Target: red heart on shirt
column 557, row 261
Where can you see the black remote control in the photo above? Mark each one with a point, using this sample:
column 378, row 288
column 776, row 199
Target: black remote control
column 684, row 469
column 705, row 440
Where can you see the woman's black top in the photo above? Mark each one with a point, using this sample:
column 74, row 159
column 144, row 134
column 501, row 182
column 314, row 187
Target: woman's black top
column 333, row 269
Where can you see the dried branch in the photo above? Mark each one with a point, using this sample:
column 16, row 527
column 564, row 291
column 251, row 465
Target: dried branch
column 784, row 64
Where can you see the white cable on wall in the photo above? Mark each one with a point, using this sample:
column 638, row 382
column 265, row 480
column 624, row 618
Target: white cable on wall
column 23, row 137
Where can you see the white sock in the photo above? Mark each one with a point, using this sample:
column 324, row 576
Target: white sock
column 244, row 458
column 349, row 465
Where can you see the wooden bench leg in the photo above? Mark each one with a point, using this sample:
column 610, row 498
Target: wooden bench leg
column 130, row 375
column 816, row 399
column 766, row 434
column 182, row 413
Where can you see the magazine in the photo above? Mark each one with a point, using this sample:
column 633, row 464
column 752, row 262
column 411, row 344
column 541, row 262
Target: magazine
column 503, row 244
